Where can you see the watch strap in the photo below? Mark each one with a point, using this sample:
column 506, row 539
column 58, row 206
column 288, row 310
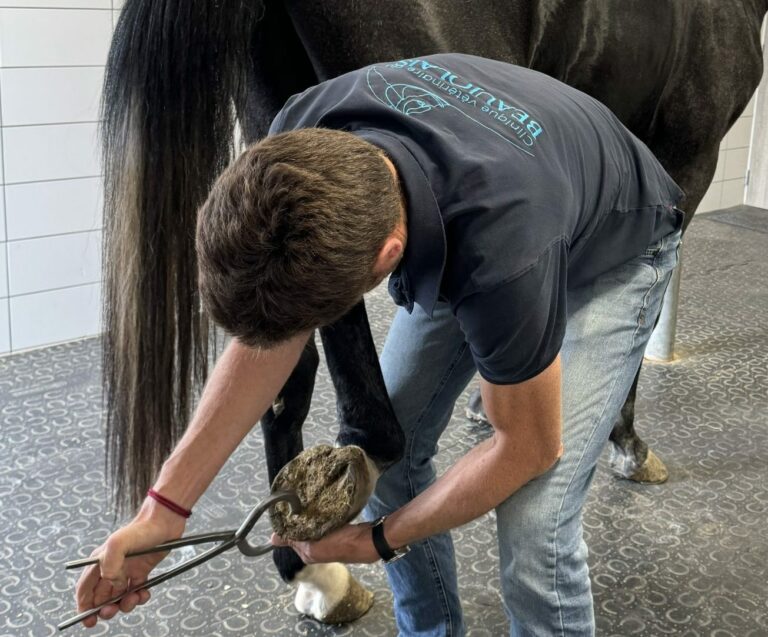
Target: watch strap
column 385, row 551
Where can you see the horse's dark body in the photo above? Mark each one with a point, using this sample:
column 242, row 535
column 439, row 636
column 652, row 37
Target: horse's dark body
column 676, row 73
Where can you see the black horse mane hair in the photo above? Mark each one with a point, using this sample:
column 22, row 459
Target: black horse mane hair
column 174, row 83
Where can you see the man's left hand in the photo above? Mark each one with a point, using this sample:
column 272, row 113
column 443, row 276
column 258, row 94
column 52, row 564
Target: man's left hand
column 350, row 544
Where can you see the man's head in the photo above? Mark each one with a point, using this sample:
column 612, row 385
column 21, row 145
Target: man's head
column 295, row 231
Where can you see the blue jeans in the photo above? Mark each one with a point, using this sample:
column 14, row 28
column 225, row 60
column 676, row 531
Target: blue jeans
column 542, row 554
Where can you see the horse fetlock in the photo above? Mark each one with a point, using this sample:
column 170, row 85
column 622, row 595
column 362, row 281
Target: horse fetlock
column 333, row 484
column 626, row 464
column 475, row 410
column 330, row 594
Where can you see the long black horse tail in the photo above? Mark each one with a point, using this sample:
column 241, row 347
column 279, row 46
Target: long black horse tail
column 175, row 78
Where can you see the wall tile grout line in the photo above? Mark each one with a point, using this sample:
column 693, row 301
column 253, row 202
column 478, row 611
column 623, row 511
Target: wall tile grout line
column 56, row 289
column 45, row 181
column 53, row 235
column 54, row 66
column 49, row 8
column 86, row 121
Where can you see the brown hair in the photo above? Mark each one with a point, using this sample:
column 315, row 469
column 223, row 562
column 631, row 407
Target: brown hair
column 290, row 232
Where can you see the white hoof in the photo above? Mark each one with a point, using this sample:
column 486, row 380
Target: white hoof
column 329, row 594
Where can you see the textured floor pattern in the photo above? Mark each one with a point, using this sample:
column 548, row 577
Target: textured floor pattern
column 685, row 558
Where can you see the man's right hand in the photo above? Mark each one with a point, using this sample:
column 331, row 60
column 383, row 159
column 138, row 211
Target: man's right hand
column 114, row 574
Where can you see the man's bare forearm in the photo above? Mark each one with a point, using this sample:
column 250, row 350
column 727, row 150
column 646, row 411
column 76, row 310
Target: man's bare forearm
column 242, row 386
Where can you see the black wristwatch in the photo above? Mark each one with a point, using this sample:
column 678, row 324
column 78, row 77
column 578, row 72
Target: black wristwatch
column 385, row 551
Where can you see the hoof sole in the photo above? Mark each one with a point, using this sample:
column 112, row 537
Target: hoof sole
column 333, row 483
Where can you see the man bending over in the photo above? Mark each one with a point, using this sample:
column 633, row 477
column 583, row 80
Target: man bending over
column 527, row 236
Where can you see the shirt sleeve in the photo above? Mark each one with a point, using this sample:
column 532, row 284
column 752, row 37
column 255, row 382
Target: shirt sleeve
column 515, row 330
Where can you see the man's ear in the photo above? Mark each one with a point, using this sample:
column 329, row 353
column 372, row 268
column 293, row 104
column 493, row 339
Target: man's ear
column 389, row 255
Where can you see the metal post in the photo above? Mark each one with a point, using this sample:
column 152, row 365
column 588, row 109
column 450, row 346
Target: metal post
column 661, row 345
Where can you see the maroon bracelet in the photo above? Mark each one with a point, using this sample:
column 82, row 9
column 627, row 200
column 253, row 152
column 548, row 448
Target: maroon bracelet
column 170, row 504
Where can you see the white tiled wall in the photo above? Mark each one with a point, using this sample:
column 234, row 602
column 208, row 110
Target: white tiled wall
column 52, row 55
column 53, row 207
column 729, row 182
column 40, row 96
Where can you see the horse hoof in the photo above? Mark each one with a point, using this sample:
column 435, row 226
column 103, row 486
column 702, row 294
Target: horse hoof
column 475, row 411
column 652, row 471
column 330, row 594
column 333, row 483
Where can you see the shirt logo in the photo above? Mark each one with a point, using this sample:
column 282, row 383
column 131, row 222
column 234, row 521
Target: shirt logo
column 406, row 98
column 495, row 114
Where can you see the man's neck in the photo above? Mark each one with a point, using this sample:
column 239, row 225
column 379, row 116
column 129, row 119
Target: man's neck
column 399, row 186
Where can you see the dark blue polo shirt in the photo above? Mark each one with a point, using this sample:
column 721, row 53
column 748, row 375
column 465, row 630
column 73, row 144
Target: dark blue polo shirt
column 518, row 187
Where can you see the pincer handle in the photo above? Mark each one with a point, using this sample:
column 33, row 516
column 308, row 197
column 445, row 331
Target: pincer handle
column 190, row 540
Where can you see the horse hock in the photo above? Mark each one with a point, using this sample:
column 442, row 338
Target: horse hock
column 333, row 483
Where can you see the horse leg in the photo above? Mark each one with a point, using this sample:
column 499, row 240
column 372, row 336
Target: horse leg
column 366, row 417
column 368, row 429
column 326, row 592
column 475, row 409
column 281, row 427
column 630, row 456
column 370, row 440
